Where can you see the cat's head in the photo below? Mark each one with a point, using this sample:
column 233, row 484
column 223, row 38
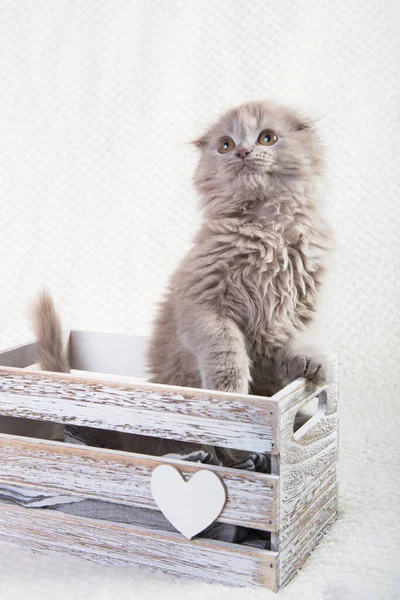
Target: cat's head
column 252, row 152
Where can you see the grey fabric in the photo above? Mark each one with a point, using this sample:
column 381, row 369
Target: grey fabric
column 31, row 498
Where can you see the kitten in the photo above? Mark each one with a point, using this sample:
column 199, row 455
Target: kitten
column 247, row 289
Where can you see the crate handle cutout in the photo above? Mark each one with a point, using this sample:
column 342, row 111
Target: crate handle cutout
column 190, row 506
column 313, row 419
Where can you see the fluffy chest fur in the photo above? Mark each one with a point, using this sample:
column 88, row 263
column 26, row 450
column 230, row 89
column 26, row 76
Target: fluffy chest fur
column 262, row 273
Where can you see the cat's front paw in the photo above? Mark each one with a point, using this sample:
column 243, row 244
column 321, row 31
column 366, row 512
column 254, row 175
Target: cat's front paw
column 313, row 369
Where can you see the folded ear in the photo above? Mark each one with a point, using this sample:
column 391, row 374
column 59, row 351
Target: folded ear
column 200, row 142
column 305, row 122
column 305, row 125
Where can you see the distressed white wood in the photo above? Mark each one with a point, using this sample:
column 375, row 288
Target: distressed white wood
column 24, row 356
column 124, row 477
column 190, row 506
column 312, row 418
column 199, row 416
column 307, row 476
column 303, row 463
column 118, row 544
column 109, row 353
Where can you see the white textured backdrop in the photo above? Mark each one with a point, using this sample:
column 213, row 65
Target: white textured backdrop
column 98, row 99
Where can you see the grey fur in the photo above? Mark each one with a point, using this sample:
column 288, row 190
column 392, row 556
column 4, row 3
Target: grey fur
column 47, row 328
column 247, row 288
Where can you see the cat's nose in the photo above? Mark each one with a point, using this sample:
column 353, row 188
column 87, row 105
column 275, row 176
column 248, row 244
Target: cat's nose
column 242, row 152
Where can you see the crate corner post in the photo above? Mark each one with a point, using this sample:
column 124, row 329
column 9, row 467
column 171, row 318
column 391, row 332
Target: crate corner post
column 306, row 463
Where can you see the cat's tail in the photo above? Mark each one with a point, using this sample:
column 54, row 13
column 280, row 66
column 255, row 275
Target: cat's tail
column 49, row 339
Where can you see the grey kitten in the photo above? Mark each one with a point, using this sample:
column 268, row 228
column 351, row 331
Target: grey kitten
column 247, row 288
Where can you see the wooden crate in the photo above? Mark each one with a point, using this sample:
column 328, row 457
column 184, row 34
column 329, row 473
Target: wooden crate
column 297, row 502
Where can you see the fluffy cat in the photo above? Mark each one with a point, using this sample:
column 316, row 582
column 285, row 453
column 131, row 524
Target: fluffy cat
column 247, row 288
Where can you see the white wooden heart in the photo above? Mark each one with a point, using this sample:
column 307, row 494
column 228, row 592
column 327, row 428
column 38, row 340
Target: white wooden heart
column 189, row 506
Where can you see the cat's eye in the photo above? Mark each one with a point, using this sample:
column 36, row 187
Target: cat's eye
column 267, row 138
column 225, row 145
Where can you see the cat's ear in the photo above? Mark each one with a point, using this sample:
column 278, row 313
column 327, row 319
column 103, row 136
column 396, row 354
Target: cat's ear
column 304, row 125
column 200, row 142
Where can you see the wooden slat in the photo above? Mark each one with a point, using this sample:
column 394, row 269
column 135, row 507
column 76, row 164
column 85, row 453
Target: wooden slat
column 117, row 544
column 20, row 356
column 304, row 534
column 124, row 477
column 307, row 479
column 199, row 416
column 109, row 353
